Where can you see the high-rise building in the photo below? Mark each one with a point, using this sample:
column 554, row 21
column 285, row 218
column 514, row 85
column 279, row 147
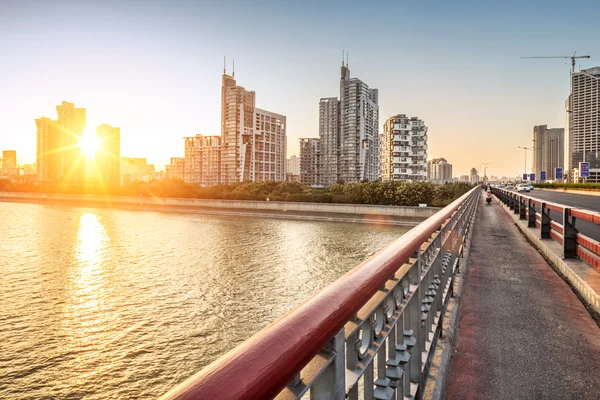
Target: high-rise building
column 59, row 156
column 439, row 170
column 108, row 156
column 583, row 122
column 176, row 169
column 293, row 165
column 203, row 160
column 9, row 161
column 348, row 133
column 473, row 176
column 329, row 140
column 404, row 149
column 310, row 162
column 254, row 141
column 549, row 149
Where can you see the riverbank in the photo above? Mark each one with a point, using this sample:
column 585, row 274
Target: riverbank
column 355, row 213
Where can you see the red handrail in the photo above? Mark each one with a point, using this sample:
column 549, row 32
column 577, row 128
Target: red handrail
column 263, row 365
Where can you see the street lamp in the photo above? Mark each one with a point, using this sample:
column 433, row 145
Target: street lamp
column 525, row 148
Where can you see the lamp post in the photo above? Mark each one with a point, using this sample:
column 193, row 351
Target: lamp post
column 525, row 148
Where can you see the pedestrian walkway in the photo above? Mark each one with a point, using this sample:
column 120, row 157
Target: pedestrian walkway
column 522, row 333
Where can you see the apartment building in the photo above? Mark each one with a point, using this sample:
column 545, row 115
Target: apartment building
column 583, row 122
column 176, row 168
column 310, row 162
column 404, row 149
column 202, row 162
column 439, row 170
column 254, row 140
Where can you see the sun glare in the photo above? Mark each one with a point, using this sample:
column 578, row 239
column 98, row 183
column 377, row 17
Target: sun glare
column 89, row 144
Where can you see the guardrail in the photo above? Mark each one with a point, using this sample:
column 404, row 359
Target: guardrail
column 563, row 230
column 372, row 331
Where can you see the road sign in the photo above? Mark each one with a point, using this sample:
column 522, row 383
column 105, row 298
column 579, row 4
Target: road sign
column 584, row 169
column 524, row 177
column 532, row 177
column 542, row 175
column 558, row 173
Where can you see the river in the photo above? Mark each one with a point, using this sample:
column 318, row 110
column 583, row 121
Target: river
column 100, row 303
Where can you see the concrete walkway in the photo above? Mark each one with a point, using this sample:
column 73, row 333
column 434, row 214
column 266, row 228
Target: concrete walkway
column 522, row 333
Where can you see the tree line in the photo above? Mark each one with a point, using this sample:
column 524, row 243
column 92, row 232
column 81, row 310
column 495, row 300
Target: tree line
column 377, row 193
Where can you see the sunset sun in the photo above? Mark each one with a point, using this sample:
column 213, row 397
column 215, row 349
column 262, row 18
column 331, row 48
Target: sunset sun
column 89, row 143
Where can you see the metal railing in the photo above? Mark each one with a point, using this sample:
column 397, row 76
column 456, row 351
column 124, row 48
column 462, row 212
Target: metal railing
column 538, row 214
column 371, row 333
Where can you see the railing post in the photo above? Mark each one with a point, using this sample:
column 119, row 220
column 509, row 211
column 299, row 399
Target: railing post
column 511, row 203
column 569, row 234
column 517, row 204
column 531, row 214
column 331, row 384
column 522, row 209
column 545, row 223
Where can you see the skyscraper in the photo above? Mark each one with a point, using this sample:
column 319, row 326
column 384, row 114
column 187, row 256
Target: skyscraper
column 349, row 132
column 404, row 149
column 548, row 153
column 311, row 162
column 254, row 141
column 108, row 156
column 358, row 130
column 59, row 156
column 329, row 140
column 583, row 122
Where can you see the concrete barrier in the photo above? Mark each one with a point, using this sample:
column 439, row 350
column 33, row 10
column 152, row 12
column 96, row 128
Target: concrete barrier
column 274, row 206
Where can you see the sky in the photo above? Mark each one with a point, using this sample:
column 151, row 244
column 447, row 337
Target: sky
column 153, row 68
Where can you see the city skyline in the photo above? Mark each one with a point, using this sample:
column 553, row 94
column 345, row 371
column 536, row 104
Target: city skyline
column 469, row 74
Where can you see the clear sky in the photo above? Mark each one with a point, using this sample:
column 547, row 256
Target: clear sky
column 154, row 68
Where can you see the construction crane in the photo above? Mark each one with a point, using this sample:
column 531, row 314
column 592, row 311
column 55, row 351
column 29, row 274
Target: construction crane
column 573, row 57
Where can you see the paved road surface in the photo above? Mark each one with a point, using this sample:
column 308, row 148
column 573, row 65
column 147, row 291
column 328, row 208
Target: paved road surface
column 522, row 333
column 574, row 200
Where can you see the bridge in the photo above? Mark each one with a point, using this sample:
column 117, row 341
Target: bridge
column 478, row 301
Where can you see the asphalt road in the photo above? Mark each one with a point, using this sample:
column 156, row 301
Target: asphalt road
column 522, row 332
column 574, row 200
column 571, row 199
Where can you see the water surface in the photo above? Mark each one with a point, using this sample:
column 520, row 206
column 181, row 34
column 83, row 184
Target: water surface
column 100, row 303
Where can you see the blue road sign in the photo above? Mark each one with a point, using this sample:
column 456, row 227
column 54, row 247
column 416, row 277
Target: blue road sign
column 524, row 177
column 532, row 177
column 542, row 175
column 584, row 169
column 558, row 173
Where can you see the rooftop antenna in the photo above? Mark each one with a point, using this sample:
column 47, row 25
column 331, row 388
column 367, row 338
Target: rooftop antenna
column 342, row 57
column 233, row 72
column 224, row 61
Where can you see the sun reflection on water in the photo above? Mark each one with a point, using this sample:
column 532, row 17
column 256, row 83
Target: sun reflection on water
column 85, row 309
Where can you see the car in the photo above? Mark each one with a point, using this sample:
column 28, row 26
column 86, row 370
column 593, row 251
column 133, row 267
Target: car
column 522, row 187
column 530, row 186
column 510, row 187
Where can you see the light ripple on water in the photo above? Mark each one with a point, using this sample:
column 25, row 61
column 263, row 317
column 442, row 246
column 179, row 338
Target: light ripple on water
column 101, row 303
